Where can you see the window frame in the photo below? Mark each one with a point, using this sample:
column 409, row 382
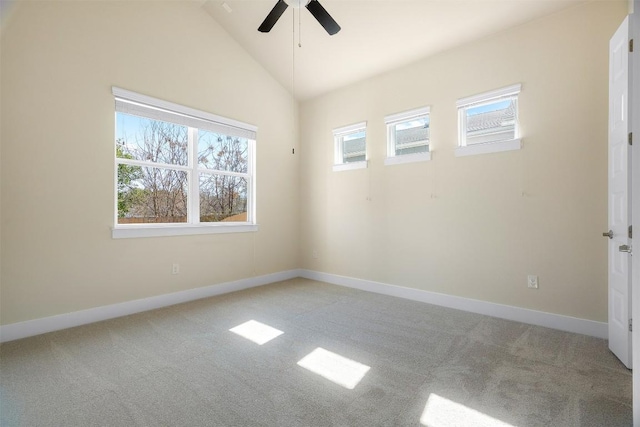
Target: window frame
column 128, row 102
column 338, row 137
column 394, row 119
column 487, row 98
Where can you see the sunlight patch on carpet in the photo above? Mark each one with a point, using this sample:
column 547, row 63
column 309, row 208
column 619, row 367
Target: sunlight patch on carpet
column 335, row 368
column 257, row 332
column 442, row 412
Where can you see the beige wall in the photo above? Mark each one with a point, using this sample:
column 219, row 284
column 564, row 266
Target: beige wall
column 58, row 63
column 476, row 226
column 472, row 227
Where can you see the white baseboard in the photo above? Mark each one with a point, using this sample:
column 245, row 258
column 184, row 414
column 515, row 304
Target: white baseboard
column 29, row 328
column 533, row 317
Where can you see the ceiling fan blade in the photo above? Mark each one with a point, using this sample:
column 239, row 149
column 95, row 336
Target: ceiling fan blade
column 323, row 17
column 273, row 17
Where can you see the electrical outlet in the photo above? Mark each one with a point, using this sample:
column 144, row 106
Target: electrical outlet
column 532, row 281
column 314, row 254
column 175, row 269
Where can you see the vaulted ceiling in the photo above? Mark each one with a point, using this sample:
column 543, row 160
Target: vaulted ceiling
column 377, row 35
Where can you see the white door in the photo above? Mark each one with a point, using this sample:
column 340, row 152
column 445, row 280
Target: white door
column 619, row 192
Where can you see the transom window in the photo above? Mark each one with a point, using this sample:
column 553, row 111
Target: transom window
column 488, row 122
column 182, row 168
column 408, row 136
column 350, row 146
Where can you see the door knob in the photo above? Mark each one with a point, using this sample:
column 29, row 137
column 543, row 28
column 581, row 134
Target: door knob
column 625, row 248
column 609, row 234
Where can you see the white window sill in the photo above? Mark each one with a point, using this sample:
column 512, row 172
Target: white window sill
column 489, row 147
column 408, row 158
column 165, row 230
column 350, row 166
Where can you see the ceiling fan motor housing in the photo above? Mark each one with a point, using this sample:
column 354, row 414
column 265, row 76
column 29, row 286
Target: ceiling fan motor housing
column 297, row 3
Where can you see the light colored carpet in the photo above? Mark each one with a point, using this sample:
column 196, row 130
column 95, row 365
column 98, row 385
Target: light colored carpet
column 181, row 366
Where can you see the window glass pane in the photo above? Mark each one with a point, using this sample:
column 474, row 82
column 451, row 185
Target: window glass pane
column 151, row 140
column 412, row 136
column 223, row 198
column 222, row 152
column 151, row 195
column 354, row 147
column 491, row 122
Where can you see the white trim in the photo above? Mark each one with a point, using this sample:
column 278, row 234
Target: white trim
column 252, row 207
column 408, row 158
column 125, row 231
column 30, row 328
column 489, row 147
column 350, row 166
column 129, row 96
column 406, row 115
column 349, row 129
column 518, row 314
column 486, row 96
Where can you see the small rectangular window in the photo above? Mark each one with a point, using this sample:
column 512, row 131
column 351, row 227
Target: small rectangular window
column 408, row 136
column 180, row 170
column 350, row 144
column 488, row 122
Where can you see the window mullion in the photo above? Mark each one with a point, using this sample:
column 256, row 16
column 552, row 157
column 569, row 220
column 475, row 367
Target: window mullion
column 146, row 164
column 223, row 172
column 194, row 178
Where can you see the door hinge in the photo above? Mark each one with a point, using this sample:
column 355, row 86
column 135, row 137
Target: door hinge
column 631, row 45
column 630, row 138
column 630, row 326
column 631, row 232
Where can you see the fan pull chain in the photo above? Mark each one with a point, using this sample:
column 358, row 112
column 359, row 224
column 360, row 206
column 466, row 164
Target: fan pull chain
column 293, row 39
column 299, row 25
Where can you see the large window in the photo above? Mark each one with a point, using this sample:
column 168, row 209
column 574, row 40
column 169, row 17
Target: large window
column 350, row 144
column 180, row 170
column 408, row 136
column 488, row 122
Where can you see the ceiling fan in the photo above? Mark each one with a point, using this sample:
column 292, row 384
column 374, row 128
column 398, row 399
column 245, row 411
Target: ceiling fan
column 313, row 6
